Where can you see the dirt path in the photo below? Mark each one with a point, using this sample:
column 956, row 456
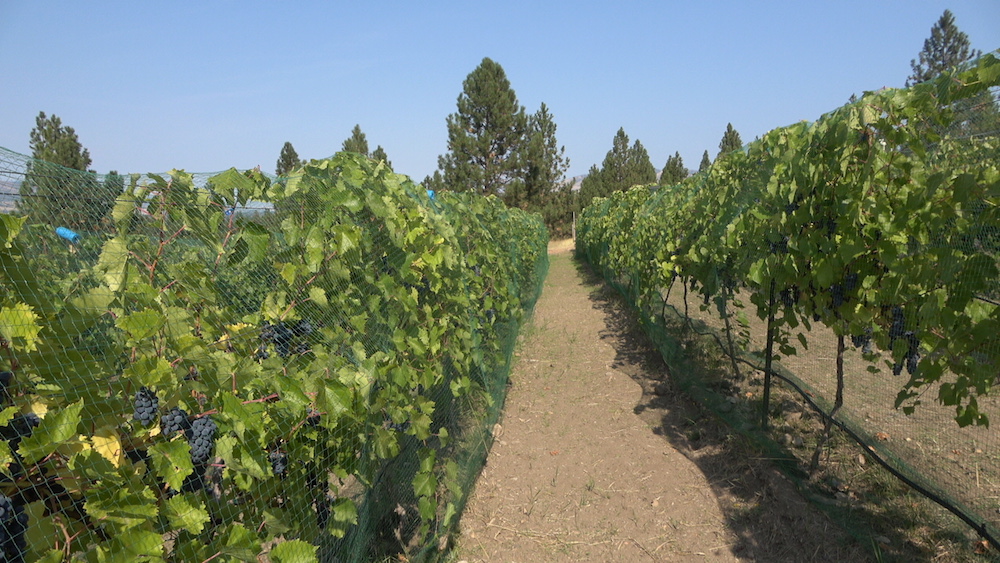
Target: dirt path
column 575, row 475
column 598, row 459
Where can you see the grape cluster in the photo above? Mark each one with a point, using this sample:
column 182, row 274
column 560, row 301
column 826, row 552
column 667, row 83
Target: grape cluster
column 789, row 296
column 201, row 438
column 897, row 330
column 21, row 426
column 146, row 405
column 175, row 420
column 863, row 341
column 283, row 335
column 322, row 511
column 13, row 524
column 312, row 417
column 839, row 291
column 279, row 462
column 780, row 247
column 387, row 422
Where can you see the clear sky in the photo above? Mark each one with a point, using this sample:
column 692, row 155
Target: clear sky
column 203, row 86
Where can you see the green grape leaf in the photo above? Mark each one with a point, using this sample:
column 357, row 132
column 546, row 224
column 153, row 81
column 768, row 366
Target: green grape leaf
column 132, row 545
column 172, row 462
column 140, row 325
column 57, row 428
column 294, row 551
column 182, row 513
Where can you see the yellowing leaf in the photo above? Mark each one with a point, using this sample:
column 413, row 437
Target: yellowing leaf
column 107, row 443
column 19, row 326
column 39, row 409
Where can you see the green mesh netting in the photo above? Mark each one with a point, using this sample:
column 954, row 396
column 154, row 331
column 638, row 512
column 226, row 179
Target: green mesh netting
column 239, row 367
column 870, row 239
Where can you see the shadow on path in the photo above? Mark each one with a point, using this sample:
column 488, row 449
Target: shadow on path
column 763, row 509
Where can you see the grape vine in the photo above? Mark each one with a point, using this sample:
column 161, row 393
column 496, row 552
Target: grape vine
column 353, row 299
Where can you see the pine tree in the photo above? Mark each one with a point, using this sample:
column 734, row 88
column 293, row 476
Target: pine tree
column 623, row 168
column 51, row 192
column 53, row 142
column 947, row 47
column 485, row 134
column 288, row 160
column 705, row 162
column 544, row 162
column 641, row 171
column 673, row 172
column 356, row 142
column 378, row 155
column 730, row 141
column 592, row 186
column 434, row 182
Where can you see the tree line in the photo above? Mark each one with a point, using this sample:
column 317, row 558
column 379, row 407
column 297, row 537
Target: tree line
column 494, row 148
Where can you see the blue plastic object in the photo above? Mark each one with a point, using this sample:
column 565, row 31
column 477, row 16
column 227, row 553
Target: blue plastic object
column 68, row 234
column 430, row 194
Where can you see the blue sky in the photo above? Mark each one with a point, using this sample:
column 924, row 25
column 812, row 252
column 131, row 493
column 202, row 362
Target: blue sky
column 203, row 86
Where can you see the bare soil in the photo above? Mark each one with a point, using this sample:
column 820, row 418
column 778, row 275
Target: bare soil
column 599, row 458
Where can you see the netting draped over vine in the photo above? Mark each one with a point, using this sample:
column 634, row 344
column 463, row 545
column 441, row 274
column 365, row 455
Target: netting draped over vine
column 234, row 365
column 878, row 225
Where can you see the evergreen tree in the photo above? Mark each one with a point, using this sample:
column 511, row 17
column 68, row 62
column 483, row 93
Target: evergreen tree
column 288, row 160
column 378, row 155
column 641, row 171
column 592, row 186
column 434, row 182
column 623, row 168
column 730, row 141
column 54, row 142
column 485, row 135
column 356, row 142
column 705, row 162
column 544, row 163
column 945, row 48
column 673, row 172
column 57, row 188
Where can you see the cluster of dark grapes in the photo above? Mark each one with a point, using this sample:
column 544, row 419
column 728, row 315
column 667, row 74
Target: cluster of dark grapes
column 863, row 341
column 831, row 226
column 175, row 420
column 312, row 417
column 780, row 247
column 21, row 426
column 6, row 377
column 398, row 427
column 279, row 462
column 146, row 405
column 839, row 291
column 321, row 500
column 201, row 438
column 897, row 330
column 789, row 296
column 13, row 524
column 283, row 336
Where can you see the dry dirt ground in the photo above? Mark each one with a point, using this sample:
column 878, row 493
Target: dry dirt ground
column 598, row 459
